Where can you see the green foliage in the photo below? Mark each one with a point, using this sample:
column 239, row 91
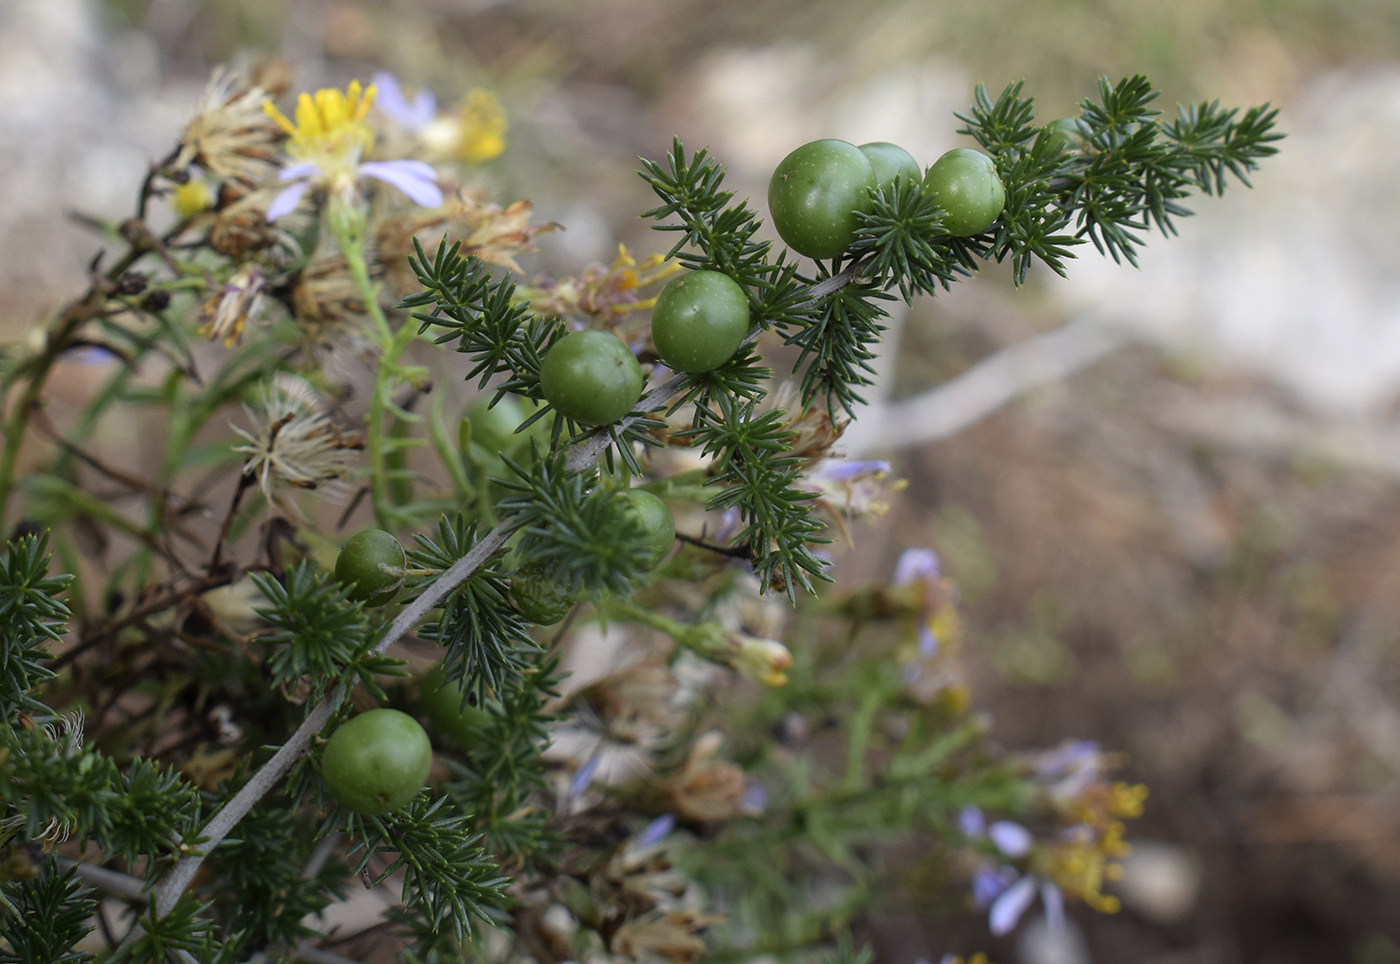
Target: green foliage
column 487, row 643
column 319, row 631
column 30, row 616
column 260, row 890
column 582, row 531
column 185, row 929
column 1130, row 175
column 61, row 789
column 759, row 480
column 448, row 880
column 482, row 317
column 204, row 683
column 493, row 785
column 43, row 917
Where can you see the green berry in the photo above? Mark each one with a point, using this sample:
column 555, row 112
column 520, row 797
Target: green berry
column 450, row 715
column 540, row 596
column 815, row 194
column 964, row 182
column 371, row 566
column 591, row 377
column 377, row 762
column 700, row 320
column 889, row 162
column 658, row 527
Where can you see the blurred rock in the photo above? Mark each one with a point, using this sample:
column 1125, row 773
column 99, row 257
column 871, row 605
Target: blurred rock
column 1296, row 279
column 1039, row 943
column 1161, row 882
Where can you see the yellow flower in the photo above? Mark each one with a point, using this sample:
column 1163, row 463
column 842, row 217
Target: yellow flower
column 330, row 126
column 192, row 197
column 764, row 661
column 326, row 145
column 474, row 132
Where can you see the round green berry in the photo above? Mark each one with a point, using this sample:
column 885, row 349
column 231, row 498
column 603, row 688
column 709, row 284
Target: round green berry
column 591, row 377
column 540, row 596
column 1065, row 134
column 964, row 182
column 815, row 194
column 376, row 762
column 451, row 715
column 700, row 320
column 371, row 566
column 889, row 162
column 658, row 527
column 493, row 426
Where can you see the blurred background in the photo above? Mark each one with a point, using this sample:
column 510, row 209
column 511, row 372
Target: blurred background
column 1168, row 495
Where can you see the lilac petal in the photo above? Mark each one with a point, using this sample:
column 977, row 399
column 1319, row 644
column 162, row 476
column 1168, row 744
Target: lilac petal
column 584, row 777
column 755, row 798
column 916, row 565
column 415, row 114
column 1007, row 909
column 912, row 672
column 656, row 831
column 988, row 884
column 850, row 470
column 1011, row 838
column 295, row 172
column 286, row 202
column 1054, row 900
column 928, row 641
column 414, row 178
column 972, row 823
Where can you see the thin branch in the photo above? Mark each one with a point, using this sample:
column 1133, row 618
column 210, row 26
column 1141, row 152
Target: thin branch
column 117, row 884
column 986, row 387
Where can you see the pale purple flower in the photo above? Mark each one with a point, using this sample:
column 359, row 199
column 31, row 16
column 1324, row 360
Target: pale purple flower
column 583, row 779
column 916, row 565
column 843, row 469
column 1008, row 907
column 989, row 882
column 920, row 565
column 1001, row 888
column 1010, row 838
column 972, row 823
column 1012, row 904
column 417, row 179
column 1070, row 768
column 656, row 831
column 412, row 115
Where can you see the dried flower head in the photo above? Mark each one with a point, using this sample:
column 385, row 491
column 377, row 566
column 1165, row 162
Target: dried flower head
column 328, row 306
column 239, row 227
column 229, row 309
column 814, row 431
column 293, row 442
column 671, row 935
column 487, row 231
column 603, row 294
column 230, row 136
column 708, row 788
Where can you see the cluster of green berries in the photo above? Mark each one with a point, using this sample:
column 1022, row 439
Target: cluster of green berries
column 377, row 762
column 700, row 320
column 819, row 191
